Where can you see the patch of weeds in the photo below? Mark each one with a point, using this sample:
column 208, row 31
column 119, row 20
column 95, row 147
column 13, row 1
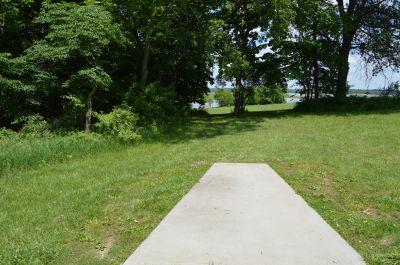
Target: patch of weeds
column 30, row 254
column 387, row 259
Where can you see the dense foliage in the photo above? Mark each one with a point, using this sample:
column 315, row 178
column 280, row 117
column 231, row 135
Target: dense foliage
column 64, row 61
column 269, row 95
column 72, row 59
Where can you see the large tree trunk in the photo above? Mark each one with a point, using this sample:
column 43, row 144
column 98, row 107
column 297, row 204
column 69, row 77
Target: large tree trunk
column 145, row 62
column 348, row 31
column 238, row 97
column 343, row 69
column 89, row 109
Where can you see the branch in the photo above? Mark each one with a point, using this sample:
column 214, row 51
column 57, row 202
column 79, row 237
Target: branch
column 341, row 7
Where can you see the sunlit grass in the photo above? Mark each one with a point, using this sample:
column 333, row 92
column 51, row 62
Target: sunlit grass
column 252, row 108
column 345, row 166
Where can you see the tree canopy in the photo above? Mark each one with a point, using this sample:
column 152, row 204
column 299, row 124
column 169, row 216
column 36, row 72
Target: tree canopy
column 68, row 60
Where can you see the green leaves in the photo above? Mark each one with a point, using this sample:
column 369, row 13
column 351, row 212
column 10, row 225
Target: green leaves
column 75, row 31
column 17, row 93
column 120, row 122
column 90, row 77
column 243, row 32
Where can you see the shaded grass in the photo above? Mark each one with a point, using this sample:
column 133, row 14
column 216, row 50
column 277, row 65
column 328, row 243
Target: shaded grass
column 346, row 166
column 350, row 104
column 252, row 108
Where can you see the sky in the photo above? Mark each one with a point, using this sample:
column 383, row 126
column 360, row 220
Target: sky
column 360, row 80
column 359, row 77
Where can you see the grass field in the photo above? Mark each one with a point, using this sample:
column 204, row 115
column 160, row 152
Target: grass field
column 98, row 207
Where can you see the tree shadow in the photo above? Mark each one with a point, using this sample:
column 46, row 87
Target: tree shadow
column 214, row 125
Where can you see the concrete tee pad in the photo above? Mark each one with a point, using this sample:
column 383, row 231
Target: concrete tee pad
column 243, row 214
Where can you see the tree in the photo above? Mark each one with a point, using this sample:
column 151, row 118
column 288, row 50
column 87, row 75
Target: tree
column 171, row 41
column 77, row 36
column 242, row 30
column 310, row 50
column 16, row 29
column 16, row 94
column 93, row 78
column 157, row 52
column 370, row 28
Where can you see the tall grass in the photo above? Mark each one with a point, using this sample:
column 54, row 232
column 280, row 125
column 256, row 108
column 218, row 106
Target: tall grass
column 24, row 153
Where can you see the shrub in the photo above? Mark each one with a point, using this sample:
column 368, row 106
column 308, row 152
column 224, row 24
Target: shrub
column 34, row 126
column 153, row 103
column 269, row 95
column 120, row 122
column 73, row 116
column 8, row 134
column 224, row 97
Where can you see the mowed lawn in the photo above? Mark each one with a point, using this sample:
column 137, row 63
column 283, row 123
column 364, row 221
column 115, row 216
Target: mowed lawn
column 97, row 208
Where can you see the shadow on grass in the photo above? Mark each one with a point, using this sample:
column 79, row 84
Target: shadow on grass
column 209, row 127
column 214, row 125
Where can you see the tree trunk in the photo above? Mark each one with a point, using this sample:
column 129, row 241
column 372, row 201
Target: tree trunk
column 238, row 97
column 2, row 24
column 145, row 62
column 89, row 109
column 343, row 70
column 316, row 69
column 308, row 89
column 316, row 79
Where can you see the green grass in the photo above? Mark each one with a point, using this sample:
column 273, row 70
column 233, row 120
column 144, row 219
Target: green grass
column 31, row 152
column 252, row 108
column 346, row 166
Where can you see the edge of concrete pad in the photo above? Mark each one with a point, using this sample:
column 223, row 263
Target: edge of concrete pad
column 290, row 192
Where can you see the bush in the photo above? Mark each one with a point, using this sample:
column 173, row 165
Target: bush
column 6, row 134
column 269, row 95
column 120, row 122
column 34, row 126
column 73, row 116
column 153, row 103
column 224, row 97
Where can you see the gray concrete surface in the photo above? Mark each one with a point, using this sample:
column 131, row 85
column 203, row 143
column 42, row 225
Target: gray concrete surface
column 243, row 214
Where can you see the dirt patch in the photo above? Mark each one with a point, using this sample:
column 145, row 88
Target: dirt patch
column 108, row 243
column 387, row 241
column 328, row 187
column 371, row 211
column 289, row 166
column 376, row 212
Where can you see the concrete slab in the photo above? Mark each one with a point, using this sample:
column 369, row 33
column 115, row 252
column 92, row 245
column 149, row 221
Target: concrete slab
column 243, row 214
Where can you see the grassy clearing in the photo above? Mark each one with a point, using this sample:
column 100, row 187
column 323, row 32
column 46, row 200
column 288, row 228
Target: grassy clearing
column 97, row 209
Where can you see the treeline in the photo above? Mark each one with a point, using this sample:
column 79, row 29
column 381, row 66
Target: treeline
column 259, row 95
column 68, row 61
column 74, row 63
